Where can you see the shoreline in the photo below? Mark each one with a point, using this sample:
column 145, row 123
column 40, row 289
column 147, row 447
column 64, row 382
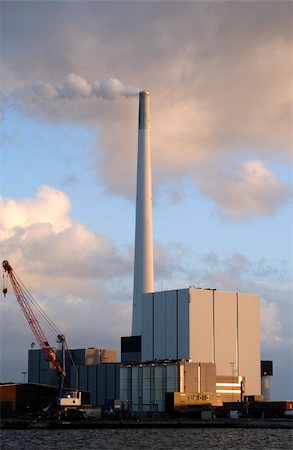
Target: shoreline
column 22, row 424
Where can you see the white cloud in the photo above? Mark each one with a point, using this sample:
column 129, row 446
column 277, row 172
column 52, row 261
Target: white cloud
column 244, row 190
column 50, row 207
column 43, row 91
column 277, row 345
column 219, row 77
column 271, row 324
column 34, row 227
column 274, row 285
column 74, row 86
column 84, row 280
column 68, row 268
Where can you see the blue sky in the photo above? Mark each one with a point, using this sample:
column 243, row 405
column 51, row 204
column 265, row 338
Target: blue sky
column 221, row 110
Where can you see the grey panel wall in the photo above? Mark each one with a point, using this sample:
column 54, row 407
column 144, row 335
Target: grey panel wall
column 159, row 387
column 78, row 356
column 135, row 385
column 183, row 324
column 33, row 366
column 92, row 383
column 172, row 384
column 147, row 385
column 171, row 325
column 72, row 380
column 160, row 325
column 147, row 339
column 131, row 357
column 144, row 386
column 165, row 325
column 83, row 380
column 44, row 370
column 207, row 326
column 101, row 384
column 111, row 382
column 117, row 383
column 125, row 384
column 101, row 380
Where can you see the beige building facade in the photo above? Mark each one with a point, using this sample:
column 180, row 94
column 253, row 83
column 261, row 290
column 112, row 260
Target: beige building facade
column 205, row 325
column 145, row 386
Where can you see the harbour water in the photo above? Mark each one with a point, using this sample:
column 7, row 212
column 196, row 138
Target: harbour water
column 139, row 439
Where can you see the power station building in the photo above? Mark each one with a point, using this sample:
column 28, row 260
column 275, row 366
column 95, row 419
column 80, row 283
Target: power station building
column 92, row 370
column 204, row 325
column 156, row 386
column 184, row 326
column 194, row 342
column 187, row 345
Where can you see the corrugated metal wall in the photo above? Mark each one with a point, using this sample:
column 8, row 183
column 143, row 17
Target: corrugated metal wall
column 143, row 387
column 165, row 325
column 204, row 325
column 102, row 381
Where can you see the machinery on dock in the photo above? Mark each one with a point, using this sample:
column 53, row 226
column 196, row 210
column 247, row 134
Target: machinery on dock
column 31, row 309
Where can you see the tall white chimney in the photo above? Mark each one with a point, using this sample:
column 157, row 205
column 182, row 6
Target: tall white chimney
column 143, row 256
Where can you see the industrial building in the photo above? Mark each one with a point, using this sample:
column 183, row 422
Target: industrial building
column 204, row 325
column 144, row 386
column 207, row 327
column 28, row 399
column 258, row 409
column 91, row 369
column 192, row 345
column 147, row 386
column 102, row 381
column 24, row 398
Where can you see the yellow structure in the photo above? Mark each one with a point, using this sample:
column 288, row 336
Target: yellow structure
column 185, row 400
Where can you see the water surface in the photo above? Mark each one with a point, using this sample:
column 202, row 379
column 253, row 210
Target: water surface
column 156, row 439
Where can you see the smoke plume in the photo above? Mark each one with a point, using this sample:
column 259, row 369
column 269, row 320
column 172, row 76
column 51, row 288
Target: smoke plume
column 75, row 87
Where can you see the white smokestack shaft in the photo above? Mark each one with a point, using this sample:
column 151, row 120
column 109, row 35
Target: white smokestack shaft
column 143, row 257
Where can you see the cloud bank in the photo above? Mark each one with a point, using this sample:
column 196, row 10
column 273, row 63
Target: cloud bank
column 81, row 278
column 220, row 87
column 273, row 282
column 69, row 269
column 244, row 190
column 34, row 227
column 220, row 76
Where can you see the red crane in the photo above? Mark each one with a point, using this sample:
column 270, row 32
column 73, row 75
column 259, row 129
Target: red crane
column 25, row 300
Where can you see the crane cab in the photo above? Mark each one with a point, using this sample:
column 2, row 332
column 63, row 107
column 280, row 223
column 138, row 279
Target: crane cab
column 71, row 400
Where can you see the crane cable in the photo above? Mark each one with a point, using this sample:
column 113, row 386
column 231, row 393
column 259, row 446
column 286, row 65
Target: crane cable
column 5, row 277
column 73, row 364
column 34, row 304
column 53, row 327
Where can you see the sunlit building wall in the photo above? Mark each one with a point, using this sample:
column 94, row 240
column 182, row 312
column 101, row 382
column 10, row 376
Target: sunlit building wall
column 143, row 386
column 205, row 325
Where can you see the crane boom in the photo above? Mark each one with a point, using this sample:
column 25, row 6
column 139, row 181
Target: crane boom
column 23, row 301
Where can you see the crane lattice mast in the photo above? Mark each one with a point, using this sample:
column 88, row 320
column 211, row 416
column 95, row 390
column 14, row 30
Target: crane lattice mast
column 23, row 298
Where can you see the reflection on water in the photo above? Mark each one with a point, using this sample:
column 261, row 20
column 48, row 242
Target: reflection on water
column 200, row 438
